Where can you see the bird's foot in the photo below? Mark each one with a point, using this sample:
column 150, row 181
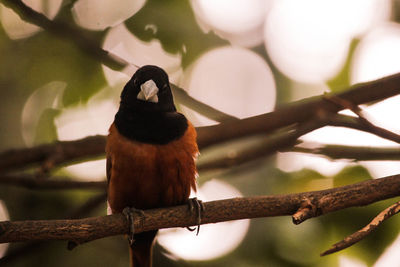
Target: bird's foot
column 197, row 206
column 130, row 213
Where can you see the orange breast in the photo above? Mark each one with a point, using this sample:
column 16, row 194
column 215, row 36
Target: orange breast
column 148, row 176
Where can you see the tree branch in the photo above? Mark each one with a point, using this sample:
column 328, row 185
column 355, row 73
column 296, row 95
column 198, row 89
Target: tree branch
column 183, row 97
column 362, row 233
column 296, row 112
column 65, row 31
column 357, row 153
column 360, row 123
column 56, row 183
column 32, row 247
column 53, row 154
column 325, row 201
column 271, row 144
column 299, row 111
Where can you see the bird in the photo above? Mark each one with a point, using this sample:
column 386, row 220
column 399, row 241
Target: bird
column 151, row 151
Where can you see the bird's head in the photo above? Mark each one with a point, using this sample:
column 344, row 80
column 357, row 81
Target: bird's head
column 148, row 90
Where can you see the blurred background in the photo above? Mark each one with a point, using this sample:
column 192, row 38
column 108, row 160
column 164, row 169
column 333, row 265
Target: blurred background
column 243, row 57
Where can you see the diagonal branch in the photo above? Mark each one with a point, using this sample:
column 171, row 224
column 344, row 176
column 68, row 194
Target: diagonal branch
column 65, row 31
column 183, row 97
column 362, row 233
column 363, row 123
column 299, row 111
column 271, row 144
column 88, row 229
column 357, row 153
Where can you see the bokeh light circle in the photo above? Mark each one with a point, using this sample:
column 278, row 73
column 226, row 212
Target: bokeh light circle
column 377, row 54
column 303, row 41
column 234, row 80
column 207, row 245
column 122, row 43
column 378, row 114
column 4, row 216
column 239, row 21
column 101, row 14
column 16, row 28
column 384, row 114
column 309, row 40
column 46, row 97
column 84, row 120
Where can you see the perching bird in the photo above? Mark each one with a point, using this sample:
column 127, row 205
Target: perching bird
column 151, row 151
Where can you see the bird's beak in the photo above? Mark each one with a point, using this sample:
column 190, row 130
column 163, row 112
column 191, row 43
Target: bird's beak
column 148, row 92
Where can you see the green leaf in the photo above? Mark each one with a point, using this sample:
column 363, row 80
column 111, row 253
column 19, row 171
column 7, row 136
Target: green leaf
column 46, row 130
column 342, row 79
column 351, row 175
column 36, row 61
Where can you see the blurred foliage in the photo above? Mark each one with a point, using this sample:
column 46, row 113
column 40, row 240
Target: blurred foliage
column 175, row 28
column 342, row 79
column 30, row 63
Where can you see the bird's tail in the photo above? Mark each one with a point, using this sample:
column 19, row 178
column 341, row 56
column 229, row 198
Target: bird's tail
column 141, row 250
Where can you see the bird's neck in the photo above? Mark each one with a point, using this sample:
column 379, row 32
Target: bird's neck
column 150, row 127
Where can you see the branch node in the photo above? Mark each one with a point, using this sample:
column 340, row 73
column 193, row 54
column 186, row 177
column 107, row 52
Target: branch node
column 52, row 159
column 306, row 211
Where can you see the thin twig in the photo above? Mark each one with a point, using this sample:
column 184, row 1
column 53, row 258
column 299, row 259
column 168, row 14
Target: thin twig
column 298, row 112
column 84, row 230
column 65, row 31
column 212, row 113
column 362, row 233
column 340, row 120
column 268, row 146
column 355, row 153
column 364, row 123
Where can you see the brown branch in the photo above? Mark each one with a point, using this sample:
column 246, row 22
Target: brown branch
column 299, row 111
column 56, row 183
column 363, row 123
column 65, row 31
column 88, row 229
column 32, row 247
column 340, row 120
column 183, row 97
column 306, row 211
column 270, row 145
column 362, row 233
column 59, row 152
column 357, row 153
column 296, row 112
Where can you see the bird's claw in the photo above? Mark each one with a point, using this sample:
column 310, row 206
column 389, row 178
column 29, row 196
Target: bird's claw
column 129, row 213
column 197, row 206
